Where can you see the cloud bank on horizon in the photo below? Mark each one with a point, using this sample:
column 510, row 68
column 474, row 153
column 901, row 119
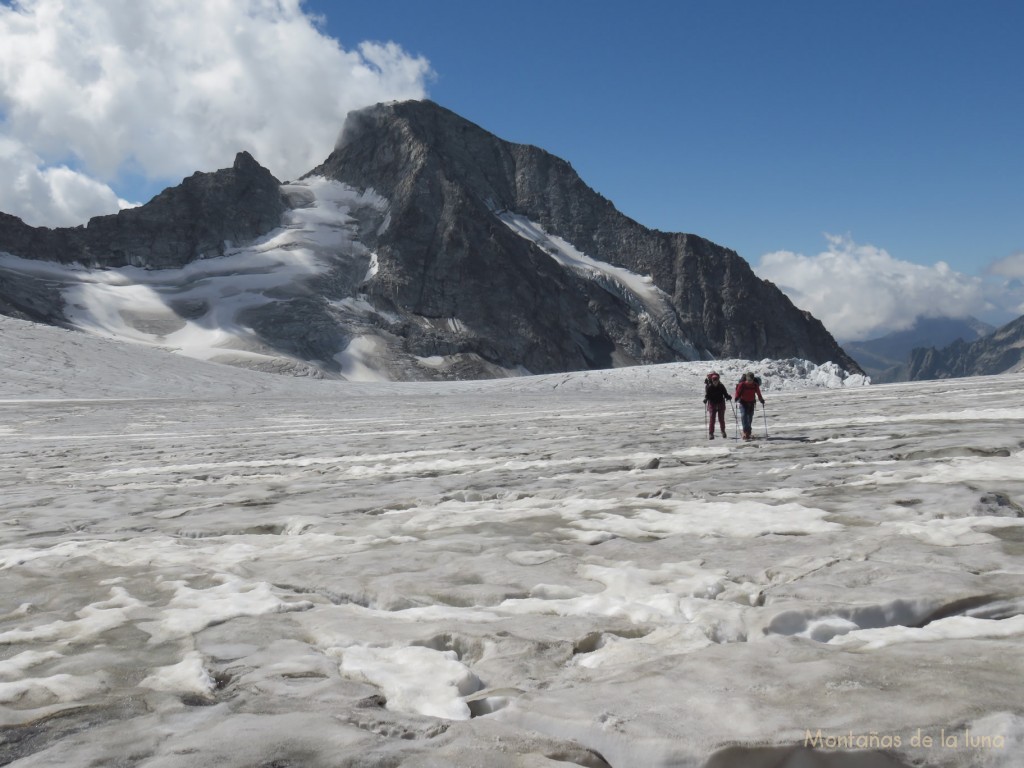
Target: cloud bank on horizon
column 861, row 291
column 97, row 90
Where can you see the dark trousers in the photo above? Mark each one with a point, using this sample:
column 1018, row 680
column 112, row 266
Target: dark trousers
column 713, row 410
column 747, row 415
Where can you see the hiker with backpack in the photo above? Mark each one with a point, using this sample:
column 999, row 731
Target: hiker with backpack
column 748, row 392
column 715, row 395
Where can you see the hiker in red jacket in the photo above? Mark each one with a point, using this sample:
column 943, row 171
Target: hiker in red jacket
column 748, row 391
column 715, row 395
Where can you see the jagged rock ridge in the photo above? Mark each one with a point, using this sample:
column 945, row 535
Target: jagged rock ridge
column 191, row 221
column 999, row 352
column 197, row 219
column 440, row 284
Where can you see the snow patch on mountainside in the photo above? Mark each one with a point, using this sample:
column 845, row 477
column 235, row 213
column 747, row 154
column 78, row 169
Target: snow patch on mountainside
column 196, row 310
column 566, row 254
column 638, row 291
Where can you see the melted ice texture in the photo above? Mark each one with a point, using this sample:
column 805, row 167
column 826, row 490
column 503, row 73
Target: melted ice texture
column 210, row 566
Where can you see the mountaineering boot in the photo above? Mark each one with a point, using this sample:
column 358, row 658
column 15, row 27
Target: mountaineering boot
column 711, row 436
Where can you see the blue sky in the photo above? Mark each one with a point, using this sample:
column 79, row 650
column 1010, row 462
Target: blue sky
column 758, row 124
column 848, row 150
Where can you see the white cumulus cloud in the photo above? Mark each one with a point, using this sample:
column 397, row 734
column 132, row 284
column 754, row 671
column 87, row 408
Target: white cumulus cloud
column 1011, row 267
column 93, row 89
column 53, row 195
column 860, row 291
column 1007, row 278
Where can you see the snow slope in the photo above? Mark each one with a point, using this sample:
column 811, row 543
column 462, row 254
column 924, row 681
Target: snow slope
column 41, row 361
column 208, row 566
column 197, row 310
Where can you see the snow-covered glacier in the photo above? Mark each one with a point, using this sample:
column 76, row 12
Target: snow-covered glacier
column 212, row 566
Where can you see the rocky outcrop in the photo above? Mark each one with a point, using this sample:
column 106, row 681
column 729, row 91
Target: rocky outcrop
column 1000, row 352
column 31, row 298
column 447, row 255
column 197, row 219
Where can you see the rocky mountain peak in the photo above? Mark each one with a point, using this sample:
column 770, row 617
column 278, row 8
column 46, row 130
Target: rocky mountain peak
column 457, row 255
column 448, row 180
column 246, row 163
column 390, row 146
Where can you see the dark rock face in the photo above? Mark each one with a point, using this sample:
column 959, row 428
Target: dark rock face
column 191, row 221
column 30, row 298
column 451, row 279
column 997, row 353
column 446, row 254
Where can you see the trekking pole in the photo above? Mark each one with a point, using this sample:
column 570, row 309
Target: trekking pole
column 764, row 415
column 735, row 422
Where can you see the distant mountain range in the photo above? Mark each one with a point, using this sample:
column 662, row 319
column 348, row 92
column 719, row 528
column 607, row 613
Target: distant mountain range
column 1001, row 351
column 887, row 358
column 424, row 247
column 942, row 347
